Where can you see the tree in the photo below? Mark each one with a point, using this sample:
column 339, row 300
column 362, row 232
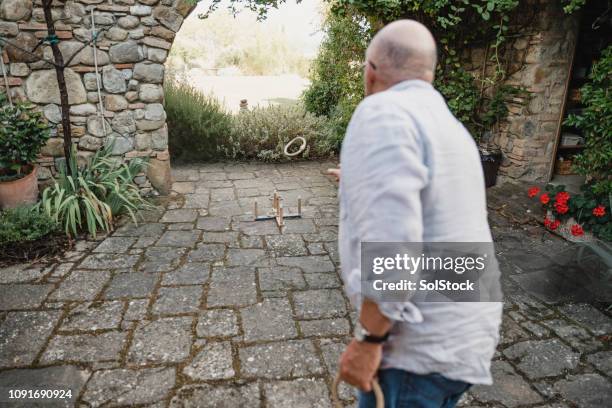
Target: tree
column 261, row 7
column 60, row 66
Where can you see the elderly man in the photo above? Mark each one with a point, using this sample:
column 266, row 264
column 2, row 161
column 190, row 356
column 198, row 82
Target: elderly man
column 411, row 173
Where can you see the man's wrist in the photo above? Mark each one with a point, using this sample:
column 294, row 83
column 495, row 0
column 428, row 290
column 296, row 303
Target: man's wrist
column 362, row 335
column 372, row 320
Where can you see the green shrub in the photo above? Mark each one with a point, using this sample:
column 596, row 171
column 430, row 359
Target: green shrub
column 24, row 224
column 337, row 76
column 336, row 86
column 339, row 120
column 100, row 190
column 262, row 133
column 23, row 132
column 197, row 123
column 595, row 121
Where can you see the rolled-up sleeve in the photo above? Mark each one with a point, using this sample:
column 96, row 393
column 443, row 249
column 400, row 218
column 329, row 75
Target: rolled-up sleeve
column 384, row 173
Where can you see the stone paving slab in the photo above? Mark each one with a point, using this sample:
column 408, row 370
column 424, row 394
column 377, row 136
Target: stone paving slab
column 270, row 320
column 94, row 317
column 85, row 348
column 81, row 285
column 131, row 285
column 129, row 387
column 23, row 335
column 217, row 323
column 217, row 396
column 300, row 393
column 512, row 390
column 213, row 362
column 200, row 306
column 234, row 286
column 288, row 359
column 166, row 340
column 23, row 296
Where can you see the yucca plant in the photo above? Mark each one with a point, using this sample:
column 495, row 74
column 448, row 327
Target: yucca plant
column 101, row 190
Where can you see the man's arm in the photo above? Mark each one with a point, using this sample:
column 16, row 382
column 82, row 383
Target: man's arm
column 373, row 320
column 360, row 360
column 383, row 176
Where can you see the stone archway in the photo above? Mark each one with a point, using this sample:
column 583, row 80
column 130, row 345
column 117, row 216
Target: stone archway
column 130, row 55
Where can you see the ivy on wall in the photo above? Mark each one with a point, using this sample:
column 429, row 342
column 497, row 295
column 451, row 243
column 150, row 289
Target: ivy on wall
column 595, row 121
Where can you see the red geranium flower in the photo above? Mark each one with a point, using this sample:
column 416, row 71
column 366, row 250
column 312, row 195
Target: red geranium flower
column 554, row 225
column 533, row 191
column 599, row 211
column 561, row 208
column 544, row 198
column 547, row 222
column 562, row 197
column 577, row 230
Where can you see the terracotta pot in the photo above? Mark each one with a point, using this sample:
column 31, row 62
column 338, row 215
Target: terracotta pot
column 19, row 192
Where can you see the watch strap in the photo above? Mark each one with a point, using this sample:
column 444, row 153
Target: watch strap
column 363, row 335
column 370, row 338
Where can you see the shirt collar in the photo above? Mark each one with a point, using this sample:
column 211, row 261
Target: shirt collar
column 410, row 83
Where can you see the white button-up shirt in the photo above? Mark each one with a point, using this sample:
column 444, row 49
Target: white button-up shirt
column 411, row 172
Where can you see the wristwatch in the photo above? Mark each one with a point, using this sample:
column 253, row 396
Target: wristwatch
column 362, row 335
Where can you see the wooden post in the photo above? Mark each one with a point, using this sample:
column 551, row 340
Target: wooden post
column 275, row 201
column 280, row 217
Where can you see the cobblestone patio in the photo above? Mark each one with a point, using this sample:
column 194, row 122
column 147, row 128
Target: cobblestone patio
column 201, row 306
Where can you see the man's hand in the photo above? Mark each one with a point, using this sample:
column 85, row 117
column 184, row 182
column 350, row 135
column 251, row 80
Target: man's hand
column 335, row 173
column 359, row 364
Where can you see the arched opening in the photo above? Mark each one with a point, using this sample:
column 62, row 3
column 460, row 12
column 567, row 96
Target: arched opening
column 228, row 64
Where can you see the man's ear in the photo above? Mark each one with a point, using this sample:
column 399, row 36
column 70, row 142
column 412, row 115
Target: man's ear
column 370, row 78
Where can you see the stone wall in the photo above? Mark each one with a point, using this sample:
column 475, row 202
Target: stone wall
column 130, row 55
column 539, row 61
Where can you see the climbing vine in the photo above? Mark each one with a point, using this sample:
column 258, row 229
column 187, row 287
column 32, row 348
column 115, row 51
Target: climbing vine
column 595, row 121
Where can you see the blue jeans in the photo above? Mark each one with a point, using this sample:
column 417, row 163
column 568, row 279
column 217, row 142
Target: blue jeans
column 403, row 389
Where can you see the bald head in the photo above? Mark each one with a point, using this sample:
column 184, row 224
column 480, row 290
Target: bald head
column 402, row 50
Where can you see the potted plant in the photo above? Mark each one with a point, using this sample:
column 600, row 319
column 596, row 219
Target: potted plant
column 491, row 160
column 23, row 132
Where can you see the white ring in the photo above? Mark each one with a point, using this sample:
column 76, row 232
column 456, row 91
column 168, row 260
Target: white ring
column 300, row 150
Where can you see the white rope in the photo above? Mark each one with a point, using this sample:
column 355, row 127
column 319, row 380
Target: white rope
column 95, row 55
column 6, row 82
column 301, row 148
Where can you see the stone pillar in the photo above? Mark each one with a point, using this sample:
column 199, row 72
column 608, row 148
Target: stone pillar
column 542, row 60
column 136, row 39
